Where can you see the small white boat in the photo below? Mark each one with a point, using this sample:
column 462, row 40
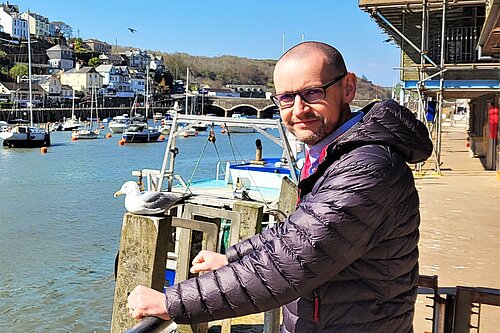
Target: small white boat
column 239, row 128
column 158, row 116
column 85, row 134
column 88, row 132
column 119, row 123
column 188, row 132
column 72, row 124
column 25, row 136
column 258, row 179
column 4, row 126
column 56, row 127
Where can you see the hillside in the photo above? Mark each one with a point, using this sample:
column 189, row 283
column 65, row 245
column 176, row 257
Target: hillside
column 219, row 71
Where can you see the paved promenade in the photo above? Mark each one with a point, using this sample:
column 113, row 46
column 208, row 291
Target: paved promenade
column 460, row 229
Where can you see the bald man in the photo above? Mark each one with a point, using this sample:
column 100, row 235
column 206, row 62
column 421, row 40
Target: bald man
column 347, row 259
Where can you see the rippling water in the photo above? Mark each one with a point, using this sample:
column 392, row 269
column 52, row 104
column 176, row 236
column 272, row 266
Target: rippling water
column 60, row 225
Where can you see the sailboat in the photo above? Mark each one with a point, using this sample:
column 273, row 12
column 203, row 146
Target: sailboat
column 27, row 136
column 73, row 123
column 88, row 132
column 141, row 131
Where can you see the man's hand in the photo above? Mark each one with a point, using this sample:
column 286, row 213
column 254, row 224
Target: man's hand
column 208, row 261
column 144, row 302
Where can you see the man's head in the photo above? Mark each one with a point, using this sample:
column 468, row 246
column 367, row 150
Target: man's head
column 312, row 114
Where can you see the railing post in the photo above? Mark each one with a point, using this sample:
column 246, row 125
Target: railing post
column 144, row 243
column 210, row 234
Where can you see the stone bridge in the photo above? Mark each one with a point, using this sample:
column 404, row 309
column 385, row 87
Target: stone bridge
column 260, row 107
column 227, row 106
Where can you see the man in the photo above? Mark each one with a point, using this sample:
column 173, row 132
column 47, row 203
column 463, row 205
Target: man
column 346, row 260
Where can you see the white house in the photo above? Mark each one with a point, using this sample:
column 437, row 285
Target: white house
column 38, row 25
column 82, row 79
column 156, row 63
column 137, row 81
column 51, row 85
column 60, row 57
column 116, row 80
column 12, row 23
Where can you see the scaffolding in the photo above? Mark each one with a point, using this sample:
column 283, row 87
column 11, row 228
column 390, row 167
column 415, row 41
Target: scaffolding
column 443, row 49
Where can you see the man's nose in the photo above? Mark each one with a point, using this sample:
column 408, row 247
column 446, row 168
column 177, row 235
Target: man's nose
column 299, row 106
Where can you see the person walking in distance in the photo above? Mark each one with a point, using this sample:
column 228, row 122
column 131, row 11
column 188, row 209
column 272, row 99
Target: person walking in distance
column 347, row 259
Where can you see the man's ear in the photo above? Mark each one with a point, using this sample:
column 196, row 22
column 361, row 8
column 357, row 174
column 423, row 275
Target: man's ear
column 350, row 87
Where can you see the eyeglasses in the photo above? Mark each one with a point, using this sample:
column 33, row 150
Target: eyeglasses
column 308, row 95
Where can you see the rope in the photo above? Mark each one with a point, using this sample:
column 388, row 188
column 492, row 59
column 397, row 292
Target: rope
column 211, row 138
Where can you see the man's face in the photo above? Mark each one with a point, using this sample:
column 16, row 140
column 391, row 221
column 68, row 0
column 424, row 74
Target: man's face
column 309, row 122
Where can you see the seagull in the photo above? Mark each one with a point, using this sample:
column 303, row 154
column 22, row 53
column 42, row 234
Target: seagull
column 132, row 30
column 148, row 202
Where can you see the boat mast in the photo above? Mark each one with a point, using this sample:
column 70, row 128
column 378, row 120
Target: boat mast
column 187, row 89
column 73, row 106
column 29, row 73
column 91, row 104
column 147, row 90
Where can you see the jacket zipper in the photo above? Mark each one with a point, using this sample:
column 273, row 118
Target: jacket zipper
column 316, row 306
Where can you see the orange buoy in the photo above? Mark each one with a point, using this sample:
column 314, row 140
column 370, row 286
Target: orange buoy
column 161, row 138
column 121, row 142
column 108, row 135
column 73, row 138
column 223, row 131
column 102, row 126
column 43, row 150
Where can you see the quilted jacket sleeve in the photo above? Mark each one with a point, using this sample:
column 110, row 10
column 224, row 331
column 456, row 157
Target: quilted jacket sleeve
column 334, row 225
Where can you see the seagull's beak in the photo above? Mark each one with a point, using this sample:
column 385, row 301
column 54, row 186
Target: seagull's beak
column 118, row 193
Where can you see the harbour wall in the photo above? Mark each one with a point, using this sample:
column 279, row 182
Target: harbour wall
column 56, row 114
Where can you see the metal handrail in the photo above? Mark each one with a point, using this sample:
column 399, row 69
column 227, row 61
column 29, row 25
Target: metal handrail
column 150, row 324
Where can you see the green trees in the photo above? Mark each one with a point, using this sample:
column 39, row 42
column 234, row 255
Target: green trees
column 18, row 70
column 94, row 62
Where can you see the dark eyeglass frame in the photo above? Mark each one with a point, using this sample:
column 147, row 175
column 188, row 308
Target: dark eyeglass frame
column 276, row 98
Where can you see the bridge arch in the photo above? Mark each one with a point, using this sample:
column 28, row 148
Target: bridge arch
column 246, row 109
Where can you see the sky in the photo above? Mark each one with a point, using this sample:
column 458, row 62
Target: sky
column 251, row 29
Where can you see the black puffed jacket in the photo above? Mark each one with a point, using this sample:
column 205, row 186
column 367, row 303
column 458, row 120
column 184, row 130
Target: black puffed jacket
column 347, row 260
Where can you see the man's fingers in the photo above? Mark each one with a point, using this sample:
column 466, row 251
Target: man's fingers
column 196, row 268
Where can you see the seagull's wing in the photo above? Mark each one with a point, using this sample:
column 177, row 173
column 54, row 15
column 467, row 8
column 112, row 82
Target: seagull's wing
column 160, row 200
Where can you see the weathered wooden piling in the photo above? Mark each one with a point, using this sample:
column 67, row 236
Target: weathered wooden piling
column 145, row 241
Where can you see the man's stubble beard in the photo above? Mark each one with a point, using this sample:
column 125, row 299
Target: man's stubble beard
column 310, row 137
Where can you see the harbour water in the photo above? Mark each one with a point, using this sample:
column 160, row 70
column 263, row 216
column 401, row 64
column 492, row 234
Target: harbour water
column 60, row 224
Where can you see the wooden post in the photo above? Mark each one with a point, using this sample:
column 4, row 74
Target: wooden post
column 287, row 204
column 250, row 223
column 251, row 219
column 144, row 243
column 211, row 232
column 288, row 196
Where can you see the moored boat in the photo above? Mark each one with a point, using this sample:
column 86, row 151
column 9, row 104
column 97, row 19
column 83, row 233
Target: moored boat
column 85, row 134
column 25, row 136
column 140, row 133
column 119, row 123
column 236, row 127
